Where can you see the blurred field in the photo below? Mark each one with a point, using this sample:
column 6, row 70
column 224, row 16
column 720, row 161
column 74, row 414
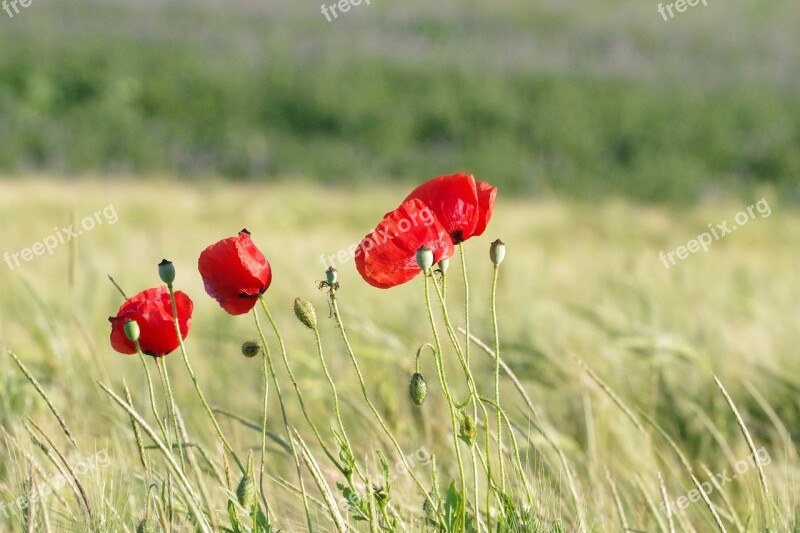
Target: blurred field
column 554, row 96
column 581, row 279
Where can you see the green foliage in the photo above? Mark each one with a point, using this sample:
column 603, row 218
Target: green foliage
column 81, row 101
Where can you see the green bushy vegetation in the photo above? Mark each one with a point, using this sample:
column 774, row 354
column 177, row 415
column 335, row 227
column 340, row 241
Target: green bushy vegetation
column 268, row 92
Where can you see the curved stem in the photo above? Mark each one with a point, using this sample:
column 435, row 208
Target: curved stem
column 340, row 325
column 152, row 393
column 268, row 358
column 445, row 388
column 335, row 401
column 295, row 385
column 162, row 369
column 197, row 388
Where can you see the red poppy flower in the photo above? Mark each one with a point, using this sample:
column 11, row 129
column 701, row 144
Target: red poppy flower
column 235, row 273
column 388, row 255
column 152, row 311
column 462, row 204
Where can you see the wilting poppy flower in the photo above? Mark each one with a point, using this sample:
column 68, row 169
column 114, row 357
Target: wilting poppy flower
column 235, row 273
column 152, row 311
column 462, row 204
column 388, row 255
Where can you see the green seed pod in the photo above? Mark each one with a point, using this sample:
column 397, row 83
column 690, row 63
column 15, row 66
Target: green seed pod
column 131, row 328
column 166, row 271
column 332, row 276
column 251, row 348
column 305, row 313
column 425, row 258
column 444, row 264
column 468, row 431
column 497, row 252
column 417, row 389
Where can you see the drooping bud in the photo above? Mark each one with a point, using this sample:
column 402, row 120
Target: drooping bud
column 417, row 389
column 381, row 495
column 332, row 276
column 132, row 331
column 305, row 313
column 251, row 348
column 468, row 431
column 246, row 491
column 444, row 264
column 166, row 271
column 425, row 258
column 497, row 251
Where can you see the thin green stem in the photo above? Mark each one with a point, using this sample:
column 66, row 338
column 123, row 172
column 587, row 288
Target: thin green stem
column 343, row 332
column 265, row 369
column 197, row 388
column 335, row 400
column 296, row 386
column 153, row 405
column 268, row 358
column 445, row 388
column 497, row 374
column 162, row 370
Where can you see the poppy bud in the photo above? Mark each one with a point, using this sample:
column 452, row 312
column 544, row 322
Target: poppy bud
column 132, row 331
column 444, row 264
column 332, row 276
column 381, row 495
column 166, row 271
column 246, row 491
column 425, row 258
column 468, row 431
column 497, row 252
column 417, row 389
column 305, row 313
column 251, row 348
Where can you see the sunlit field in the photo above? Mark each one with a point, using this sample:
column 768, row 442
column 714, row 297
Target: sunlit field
column 616, row 354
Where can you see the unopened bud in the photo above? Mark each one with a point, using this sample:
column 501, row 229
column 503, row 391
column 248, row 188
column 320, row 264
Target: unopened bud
column 132, row 331
column 425, row 258
column 417, row 389
column 166, row 271
column 497, row 252
column 305, row 313
column 468, row 431
column 246, row 491
column 251, row 348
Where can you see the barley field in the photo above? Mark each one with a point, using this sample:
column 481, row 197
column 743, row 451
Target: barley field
column 616, row 353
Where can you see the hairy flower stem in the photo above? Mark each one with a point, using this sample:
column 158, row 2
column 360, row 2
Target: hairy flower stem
column 335, row 400
column 295, row 385
column 197, row 388
column 162, row 370
column 445, row 388
column 497, row 375
column 265, row 369
column 271, row 366
column 153, row 405
column 340, row 325
column 474, row 397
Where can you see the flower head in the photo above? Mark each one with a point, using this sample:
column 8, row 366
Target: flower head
column 387, row 256
column 152, row 311
column 235, row 273
column 462, row 204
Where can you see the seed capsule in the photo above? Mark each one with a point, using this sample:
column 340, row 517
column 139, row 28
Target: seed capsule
column 425, row 258
column 166, row 271
column 497, row 252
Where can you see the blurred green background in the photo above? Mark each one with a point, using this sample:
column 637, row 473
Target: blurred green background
column 558, row 96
